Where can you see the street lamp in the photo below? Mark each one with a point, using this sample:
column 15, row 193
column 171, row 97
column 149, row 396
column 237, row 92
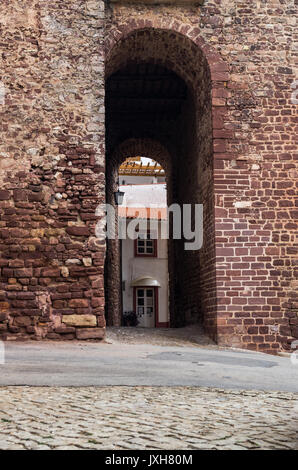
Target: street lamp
column 119, row 196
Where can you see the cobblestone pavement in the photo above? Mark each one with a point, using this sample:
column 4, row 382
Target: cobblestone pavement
column 146, row 418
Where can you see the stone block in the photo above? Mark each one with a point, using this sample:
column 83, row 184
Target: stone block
column 90, row 333
column 4, row 195
column 87, row 261
column 79, row 320
column 51, row 272
column 22, row 321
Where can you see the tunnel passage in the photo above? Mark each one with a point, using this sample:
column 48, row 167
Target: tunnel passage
column 158, row 100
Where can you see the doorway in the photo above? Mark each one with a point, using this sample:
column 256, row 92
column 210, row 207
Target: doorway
column 146, row 307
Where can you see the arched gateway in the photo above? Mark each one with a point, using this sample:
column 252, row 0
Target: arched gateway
column 159, row 88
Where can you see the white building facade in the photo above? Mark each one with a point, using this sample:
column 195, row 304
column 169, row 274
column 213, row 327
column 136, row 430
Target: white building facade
column 145, row 278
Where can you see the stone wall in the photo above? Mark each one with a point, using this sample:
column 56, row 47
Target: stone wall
column 52, row 163
column 51, row 169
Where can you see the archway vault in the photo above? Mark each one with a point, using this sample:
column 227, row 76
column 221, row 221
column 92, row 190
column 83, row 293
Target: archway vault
column 187, row 136
column 117, row 32
column 145, row 147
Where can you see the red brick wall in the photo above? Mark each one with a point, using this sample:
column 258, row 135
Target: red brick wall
column 249, row 49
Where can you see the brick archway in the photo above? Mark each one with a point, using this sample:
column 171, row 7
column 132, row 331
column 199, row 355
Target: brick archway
column 218, row 68
column 120, row 31
column 130, row 147
column 146, row 147
column 182, row 51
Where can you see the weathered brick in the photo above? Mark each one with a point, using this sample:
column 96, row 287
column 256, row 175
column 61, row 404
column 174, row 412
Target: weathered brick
column 78, row 231
column 90, row 333
column 51, row 272
column 80, row 320
column 24, row 272
column 4, row 195
column 78, row 303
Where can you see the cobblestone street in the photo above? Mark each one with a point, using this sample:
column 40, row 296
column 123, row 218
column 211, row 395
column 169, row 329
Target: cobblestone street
column 146, row 418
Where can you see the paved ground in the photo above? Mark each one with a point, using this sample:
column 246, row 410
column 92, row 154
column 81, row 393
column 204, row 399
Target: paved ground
column 192, row 335
column 146, row 418
column 93, row 364
column 170, row 390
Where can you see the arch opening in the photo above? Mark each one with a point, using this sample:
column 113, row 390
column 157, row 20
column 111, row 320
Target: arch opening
column 158, row 105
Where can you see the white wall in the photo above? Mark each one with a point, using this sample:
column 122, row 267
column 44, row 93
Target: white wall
column 144, row 195
column 135, row 267
column 141, row 179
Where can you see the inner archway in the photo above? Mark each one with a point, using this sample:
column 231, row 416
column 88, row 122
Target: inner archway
column 144, row 258
column 158, row 89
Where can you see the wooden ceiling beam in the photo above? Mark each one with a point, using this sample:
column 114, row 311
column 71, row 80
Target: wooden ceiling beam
column 130, row 168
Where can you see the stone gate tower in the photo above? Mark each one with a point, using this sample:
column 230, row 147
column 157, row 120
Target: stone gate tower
column 226, row 114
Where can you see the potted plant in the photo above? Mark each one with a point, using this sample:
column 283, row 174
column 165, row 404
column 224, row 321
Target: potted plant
column 130, row 318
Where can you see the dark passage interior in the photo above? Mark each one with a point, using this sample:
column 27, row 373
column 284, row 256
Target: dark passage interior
column 144, row 100
column 154, row 110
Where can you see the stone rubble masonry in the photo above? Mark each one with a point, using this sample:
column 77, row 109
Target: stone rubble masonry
column 52, row 163
column 52, row 170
